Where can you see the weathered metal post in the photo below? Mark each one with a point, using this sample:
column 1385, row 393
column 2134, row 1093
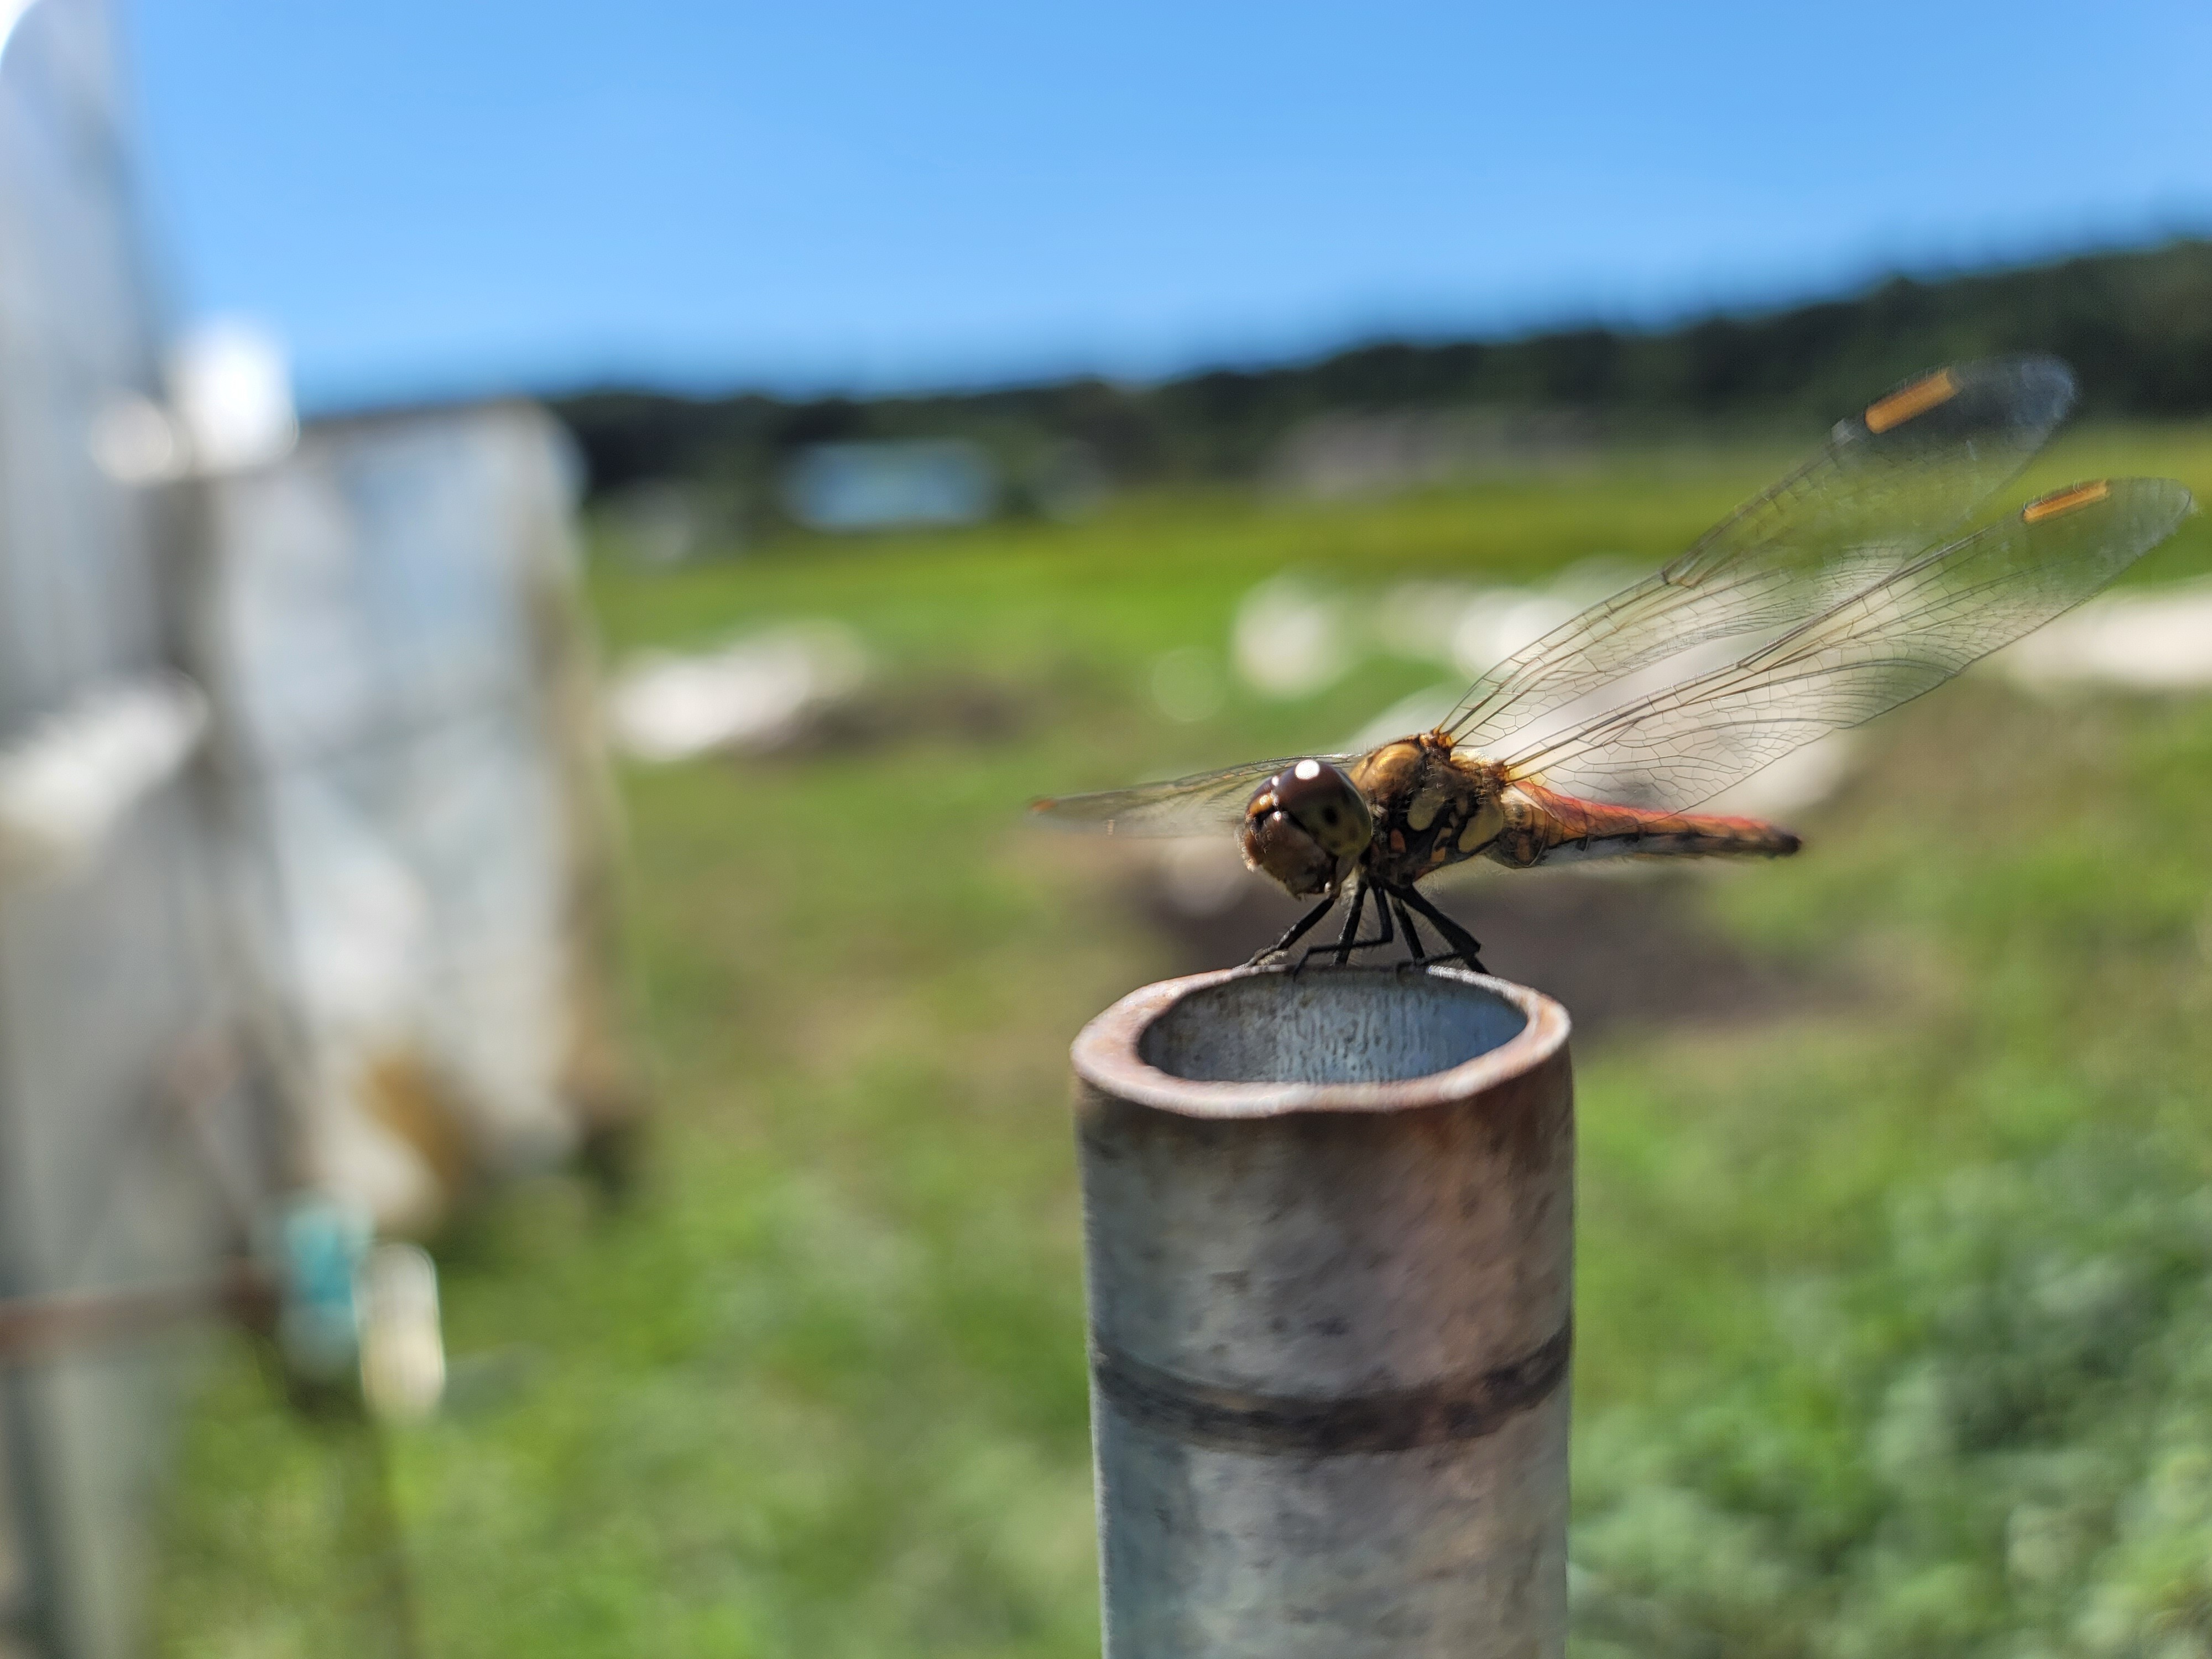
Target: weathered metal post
column 1328, row 1226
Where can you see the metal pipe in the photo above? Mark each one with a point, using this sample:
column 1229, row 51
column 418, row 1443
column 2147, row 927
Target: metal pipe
column 38, row 1328
column 1328, row 1233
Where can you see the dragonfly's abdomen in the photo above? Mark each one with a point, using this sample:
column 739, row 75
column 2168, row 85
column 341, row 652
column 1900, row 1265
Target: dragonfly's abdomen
column 1544, row 827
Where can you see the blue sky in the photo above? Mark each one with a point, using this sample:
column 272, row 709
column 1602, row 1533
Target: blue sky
column 485, row 194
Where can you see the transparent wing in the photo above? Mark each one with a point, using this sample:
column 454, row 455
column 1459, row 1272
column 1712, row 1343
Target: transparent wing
column 1902, row 636
column 1199, row 805
column 1891, row 482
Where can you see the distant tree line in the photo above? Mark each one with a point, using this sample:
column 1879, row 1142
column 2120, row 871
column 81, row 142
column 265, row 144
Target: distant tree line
column 2136, row 326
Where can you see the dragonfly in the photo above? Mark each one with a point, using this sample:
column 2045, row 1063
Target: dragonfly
column 1851, row 586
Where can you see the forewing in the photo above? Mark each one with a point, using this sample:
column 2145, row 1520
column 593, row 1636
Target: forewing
column 1885, row 645
column 1201, row 804
column 1891, row 482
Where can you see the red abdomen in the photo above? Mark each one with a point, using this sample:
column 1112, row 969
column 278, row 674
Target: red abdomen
column 1546, row 827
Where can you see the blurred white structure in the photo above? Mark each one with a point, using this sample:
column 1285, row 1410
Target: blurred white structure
column 754, row 694
column 232, row 391
column 128, row 1126
column 78, row 774
column 2149, row 639
column 229, row 409
column 306, row 847
column 883, row 486
column 419, row 804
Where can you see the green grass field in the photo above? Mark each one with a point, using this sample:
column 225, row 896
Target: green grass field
column 1895, row 1320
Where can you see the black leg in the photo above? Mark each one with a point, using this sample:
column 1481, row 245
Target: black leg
column 1464, row 945
column 1342, row 948
column 1413, row 933
column 1383, row 919
column 1299, row 929
column 1350, row 940
column 1344, row 940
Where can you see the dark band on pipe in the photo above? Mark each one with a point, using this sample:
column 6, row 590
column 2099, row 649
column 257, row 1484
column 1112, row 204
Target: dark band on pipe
column 1396, row 1420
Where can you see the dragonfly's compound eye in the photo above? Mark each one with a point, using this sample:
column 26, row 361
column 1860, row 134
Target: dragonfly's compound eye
column 1321, row 799
column 1305, row 827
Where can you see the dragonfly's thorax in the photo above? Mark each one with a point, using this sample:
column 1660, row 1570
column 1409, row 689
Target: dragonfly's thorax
column 1431, row 806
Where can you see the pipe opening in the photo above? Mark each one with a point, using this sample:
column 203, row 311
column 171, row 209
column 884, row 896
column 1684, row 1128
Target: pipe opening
column 1328, row 1025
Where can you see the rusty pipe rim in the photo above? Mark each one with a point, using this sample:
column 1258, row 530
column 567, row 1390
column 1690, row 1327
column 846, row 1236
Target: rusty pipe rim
column 1106, row 1055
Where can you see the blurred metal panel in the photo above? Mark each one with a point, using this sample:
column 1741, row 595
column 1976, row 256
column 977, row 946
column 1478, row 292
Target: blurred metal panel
column 393, row 624
column 111, row 972
column 392, row 891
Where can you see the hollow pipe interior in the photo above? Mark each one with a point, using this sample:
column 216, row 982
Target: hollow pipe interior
column 1333, row 1025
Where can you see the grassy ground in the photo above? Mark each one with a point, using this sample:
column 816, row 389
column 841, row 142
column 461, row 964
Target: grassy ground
column 1896, row 1311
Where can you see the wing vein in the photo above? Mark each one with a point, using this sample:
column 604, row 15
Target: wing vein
column 1869, row 503
column 1895, row 641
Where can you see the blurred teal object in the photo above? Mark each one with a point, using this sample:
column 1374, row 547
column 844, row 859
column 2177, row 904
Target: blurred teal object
column 318, row 1246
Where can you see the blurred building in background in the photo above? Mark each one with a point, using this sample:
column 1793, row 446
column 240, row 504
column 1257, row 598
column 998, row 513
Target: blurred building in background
column 307, row 904
column 1337, row 456
column 882, row 486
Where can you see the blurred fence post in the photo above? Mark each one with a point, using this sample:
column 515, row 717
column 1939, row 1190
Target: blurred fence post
column 1328, row 1226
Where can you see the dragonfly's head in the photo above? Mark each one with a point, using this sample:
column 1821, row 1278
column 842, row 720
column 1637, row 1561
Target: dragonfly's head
column 1306, row 827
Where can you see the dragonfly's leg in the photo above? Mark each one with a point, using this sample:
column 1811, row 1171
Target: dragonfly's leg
column 1350, row 940
column 1343, row 946
column 1413, row 933
column 1464, row 945
column 1388, row 935
column 1299, row 929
